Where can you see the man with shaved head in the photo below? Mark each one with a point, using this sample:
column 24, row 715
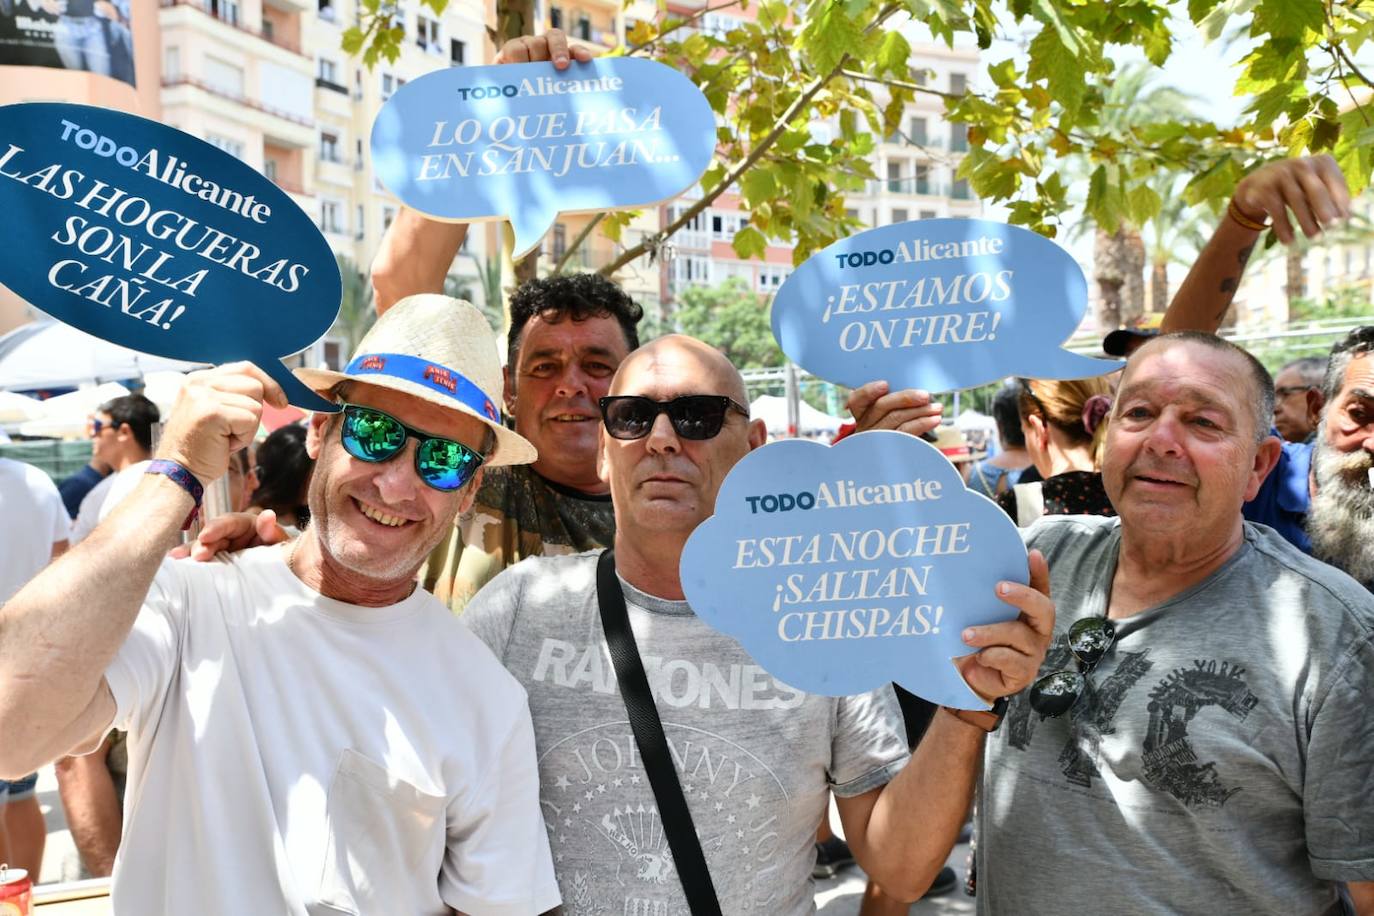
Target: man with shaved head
column 1200, row 730
column 754, row 757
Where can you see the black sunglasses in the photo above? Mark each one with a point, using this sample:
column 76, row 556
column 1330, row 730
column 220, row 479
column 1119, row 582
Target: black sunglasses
column 694, row 416
column 1089, row 639
column 373, row 436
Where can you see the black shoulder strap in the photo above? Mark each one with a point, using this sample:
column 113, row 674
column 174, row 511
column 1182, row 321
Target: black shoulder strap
column 653, row 746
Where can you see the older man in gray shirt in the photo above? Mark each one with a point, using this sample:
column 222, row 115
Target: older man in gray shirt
column 1200, row 737
column 755, row 757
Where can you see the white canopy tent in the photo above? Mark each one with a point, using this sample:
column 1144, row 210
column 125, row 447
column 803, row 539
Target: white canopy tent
column 50, row 354
column 772, row 410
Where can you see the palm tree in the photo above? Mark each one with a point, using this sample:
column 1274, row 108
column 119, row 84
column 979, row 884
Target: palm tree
column 1176, row 229
column 1119, row 257
column 356, row 313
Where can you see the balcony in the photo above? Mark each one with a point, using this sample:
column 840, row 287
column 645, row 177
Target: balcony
column 237, row 25
column 219, row 92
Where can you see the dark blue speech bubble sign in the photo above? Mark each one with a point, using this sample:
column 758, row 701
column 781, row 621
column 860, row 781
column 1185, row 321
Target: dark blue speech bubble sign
column 153, row 239
column 525, row 142
column 937, row 304
column 840, row 568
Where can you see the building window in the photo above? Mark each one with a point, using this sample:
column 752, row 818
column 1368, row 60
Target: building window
column 692, row 270
column 359, row 224
column 584, row 27
column 894, row 177
column 958, row 137
column 269, row 30
column 358, row 154
column 917, row 132
column 269, row 168
column 960, row 190
column 232, row 147
column 331, row 216
column 899, row 215
column 171, row 63
column 457, row 52
column 224, row 77
column 555, row 17
column 928, row 214
column 390, row 83
column 388, row 217
column 427, row 34
column 958, row 83
column 770, row 277
column 327, row 10
column 329, row 147
column 327, row 75
column 922, row 179
column 228, row 10
column 560, row 240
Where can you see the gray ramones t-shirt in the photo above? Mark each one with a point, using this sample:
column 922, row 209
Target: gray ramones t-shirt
column 1223, row 761
column 755, row 757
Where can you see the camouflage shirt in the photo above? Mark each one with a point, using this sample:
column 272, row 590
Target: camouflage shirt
column 516, row 514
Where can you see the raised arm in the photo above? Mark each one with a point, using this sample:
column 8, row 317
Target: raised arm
column 902, row 833
column 60, row 632
column 1315, row 192
column 416, row 252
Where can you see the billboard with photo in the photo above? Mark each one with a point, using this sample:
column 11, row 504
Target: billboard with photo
column 91, row 35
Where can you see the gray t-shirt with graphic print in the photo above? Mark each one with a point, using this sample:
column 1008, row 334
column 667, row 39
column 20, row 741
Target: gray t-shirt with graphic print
column 1222, row 760
column 755, row 757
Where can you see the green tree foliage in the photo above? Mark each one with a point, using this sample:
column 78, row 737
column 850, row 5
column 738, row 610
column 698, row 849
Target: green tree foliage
column 845, row 63
column 732, row 317
column 356, row 313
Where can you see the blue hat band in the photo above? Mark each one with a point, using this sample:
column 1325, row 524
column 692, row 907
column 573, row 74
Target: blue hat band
column 436, row 377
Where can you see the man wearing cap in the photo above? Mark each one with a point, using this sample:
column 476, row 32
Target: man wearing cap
column 755, row 757
column 1124, row 341
column 287, row 753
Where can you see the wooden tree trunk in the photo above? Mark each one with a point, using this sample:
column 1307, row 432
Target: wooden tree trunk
column 1159, row 287
column 1295, row 286
column 1119, row 269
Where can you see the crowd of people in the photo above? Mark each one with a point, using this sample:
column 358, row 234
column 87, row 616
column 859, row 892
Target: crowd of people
column 453, row 668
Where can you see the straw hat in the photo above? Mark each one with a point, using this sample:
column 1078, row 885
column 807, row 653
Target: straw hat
column 952, row 443
column 439, row 350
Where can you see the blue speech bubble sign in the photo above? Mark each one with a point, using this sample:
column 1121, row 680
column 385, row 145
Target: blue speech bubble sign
column 938, row 304
column 155, row 240
column 525, row 142
column 840, row 568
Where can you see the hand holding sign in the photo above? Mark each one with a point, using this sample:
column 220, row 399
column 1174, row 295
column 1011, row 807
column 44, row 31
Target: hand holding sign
column 155, row 240
column 935, row 304
column 526, row 141
column 842, row 568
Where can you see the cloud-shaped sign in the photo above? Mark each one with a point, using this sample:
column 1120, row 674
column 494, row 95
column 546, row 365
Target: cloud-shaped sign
column 841, row 568
column 525, row 142
column 153, row 239
column 938, row 304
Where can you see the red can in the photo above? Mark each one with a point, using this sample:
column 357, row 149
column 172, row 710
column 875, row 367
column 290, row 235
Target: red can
column 16, row 892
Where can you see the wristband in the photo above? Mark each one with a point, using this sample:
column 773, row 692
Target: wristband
column 986, row 719
column 182, row 478
column 1245, row 222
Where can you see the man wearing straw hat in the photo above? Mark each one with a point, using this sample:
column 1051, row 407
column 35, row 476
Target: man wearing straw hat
column 287, row 753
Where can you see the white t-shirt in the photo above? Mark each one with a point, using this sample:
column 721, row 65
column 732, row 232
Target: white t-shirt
column 292, row 754
column 34, row 518
column 103, row 498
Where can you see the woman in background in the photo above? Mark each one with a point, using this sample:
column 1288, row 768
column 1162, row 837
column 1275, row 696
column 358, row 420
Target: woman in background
column 1064, row 424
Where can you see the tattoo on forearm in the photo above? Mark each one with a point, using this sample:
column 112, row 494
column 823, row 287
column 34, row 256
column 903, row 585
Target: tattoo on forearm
column 1231, row 284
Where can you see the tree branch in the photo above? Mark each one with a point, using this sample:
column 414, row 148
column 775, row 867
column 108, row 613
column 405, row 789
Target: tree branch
column 779, row 126
column 577, row 242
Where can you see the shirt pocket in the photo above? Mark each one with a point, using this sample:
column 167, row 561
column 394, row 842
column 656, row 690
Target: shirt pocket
column 381, row 835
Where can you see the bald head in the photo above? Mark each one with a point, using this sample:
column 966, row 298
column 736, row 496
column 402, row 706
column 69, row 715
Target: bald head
column 687, row 359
